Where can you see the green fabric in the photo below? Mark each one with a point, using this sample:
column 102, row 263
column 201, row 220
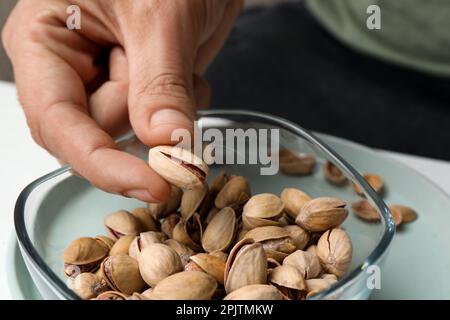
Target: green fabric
column 414, row 33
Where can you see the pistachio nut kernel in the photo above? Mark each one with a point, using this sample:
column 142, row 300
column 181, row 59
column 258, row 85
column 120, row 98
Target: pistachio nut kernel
column 121, row 273
column 88, row 285
column 321, row 214
column 121, row 223
column 146, row 220
column 178, row 166
column 188, row 285
column 235, row 192
column 333, row 174
column 158, row 261
column 256, row 292
column 83, row 255
column 220, row 232
column 334, row 250
column 293, row 200
column 307, row 263
column 373, row 180
column 122, row 245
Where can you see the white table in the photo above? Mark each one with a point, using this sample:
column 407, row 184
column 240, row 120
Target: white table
column 22, row 161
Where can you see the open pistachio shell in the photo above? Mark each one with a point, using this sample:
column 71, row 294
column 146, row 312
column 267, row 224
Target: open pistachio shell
column 169, row 223
column 146, row 220
column 299, row 235
column 188, row 285
column 107, row 241
column 210, row 264
column 264, row 206
column 252, row 222
column 189, row 233
column 191, row 201
column 143, row 240
column 246, row 264
column 121, row 273
column 220, row 232
column 321, row 214
column 178, row 166
column 183, row 251
column 121, row 223
column 293, row 200
column 83, row 255
column 122, row 245
column 307, row 263
column 267, row 233
column 256, row 292
column 236, row 191
column 287, row 276
column 174, row 201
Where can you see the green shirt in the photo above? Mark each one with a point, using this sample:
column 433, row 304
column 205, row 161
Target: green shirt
column 414, row 33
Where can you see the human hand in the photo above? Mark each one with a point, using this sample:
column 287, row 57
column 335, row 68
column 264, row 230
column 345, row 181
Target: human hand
column 132, row 63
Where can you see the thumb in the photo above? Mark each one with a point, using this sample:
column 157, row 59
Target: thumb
column 161, row 92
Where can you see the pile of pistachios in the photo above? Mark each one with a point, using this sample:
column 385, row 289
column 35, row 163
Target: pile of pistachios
column 213, row 241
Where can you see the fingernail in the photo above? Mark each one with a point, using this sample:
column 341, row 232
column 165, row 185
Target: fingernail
column 140, row 194
column 170, row 117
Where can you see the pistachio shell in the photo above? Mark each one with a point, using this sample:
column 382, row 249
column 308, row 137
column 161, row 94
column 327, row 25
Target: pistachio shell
column 334, row 250
column 220, row 254
column 83, row 255
column 282, row 245
column 183, row 232
column 246, row 264
column 174, row 201
column 299, row 235
column 88, row 285
column 189, row 285
column 275, row 255
column 408, row 214
column 267, row 233
column 143, row 240
column 333, row 174
column 158, row 261
column 122, row 223
column 156, row 210
column 112, row 295
column 191, row 201
column 292, row 163
column 272, row 263
column 251, row 222
column 363, row 210
column 137, row 296
column 107, row 241
column 255, row 292
column 373, row 180
column 293, row 200
column 307, row 263
column 210, row 264
column 121, row 273
column 235, row 191
column 321, row 214
column 396, row 215
column 183, row 251
column 264, row 206
column 178, row 166
column 287, row 276
column 220, row 232
column 169, row 224
column 147, row 293
column 146, row 220
column 122, row 245
column 320, row 284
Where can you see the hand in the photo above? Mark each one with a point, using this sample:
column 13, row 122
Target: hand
column 131, row 63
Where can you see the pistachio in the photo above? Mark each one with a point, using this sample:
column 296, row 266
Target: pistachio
column 396, row 215
column 285, row 220
column 289, row 280
column 178, row 166
column 220, row 232
column 334, row 250
column 137, row 296
column 191, row 201
column 183, row 251
column 255, row 292
column 246, row 264
column 211, row 213
column 189, row 233
column 321, row 214
column 143, row 240
column 88, row 285
column 293, row 200
column 121, row 223
column 174, row 200
column 364, row 210
column 251, row 222
column 408, row 214
column 156, row 210
column 122, row 245
column 190, row 285
column 158, row 261
column 299, row 236
column 314, row 286
column 208, row 203
column 220, row 254
column 146, row 220
column 235, row 192
column 106, row 241
column 373, row 180
column 292, row 163
column 169, row 224
column 262, row 210
column 121, row 273
column 271, row 264
column 112, row 295
column 147, row 293
column 333, row 174
column 83, row 255
column 212, row 265
column 306, row 262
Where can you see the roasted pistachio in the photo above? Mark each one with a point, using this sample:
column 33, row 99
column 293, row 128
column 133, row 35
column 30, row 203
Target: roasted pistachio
column 183, row 251
column 83, row 255
column 333, row 174
column 292, row 163
column 122, row 245
column 299, row 235
column 314, row 286
column 189, row 233
column 121, row 223
column 191, row 201
column 306, row 262
column 88, row 285
column 334, row 250
column 364, row 210
column 143, row 240
column 235, row 192
column 262, row 209
column 293, row 200
column 220, row 232
column 146, row 220
column 289, row 280
column 321, row 214
column 178, row 166
column 212, row 265
column 169, row 224
column 396, row 215
column 256, row 292
column 107, row 241
column 408, row 214
column 373, row 180
column 112, row 295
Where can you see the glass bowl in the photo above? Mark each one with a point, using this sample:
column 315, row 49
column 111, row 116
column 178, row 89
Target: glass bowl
column 60, row 207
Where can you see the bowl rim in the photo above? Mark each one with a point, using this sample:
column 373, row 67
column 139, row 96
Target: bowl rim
column 372, row 259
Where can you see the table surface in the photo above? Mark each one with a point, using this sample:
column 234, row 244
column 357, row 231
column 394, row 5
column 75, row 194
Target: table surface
column 26, row 161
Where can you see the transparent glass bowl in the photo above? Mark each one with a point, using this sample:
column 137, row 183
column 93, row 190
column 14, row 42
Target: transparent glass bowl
column 60, row 207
